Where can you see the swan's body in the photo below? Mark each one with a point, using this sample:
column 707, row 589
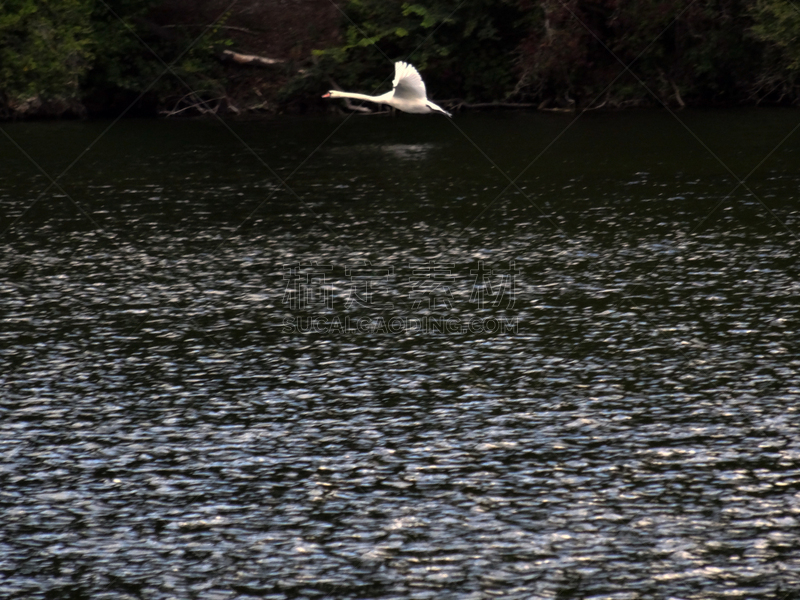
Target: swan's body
column 408, row 93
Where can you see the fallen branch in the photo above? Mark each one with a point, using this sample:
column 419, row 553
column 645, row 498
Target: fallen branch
column 199, row 104
column 356, row 107
column 231, row 27
column 492, row 105
column 756, row 92
column 678, row 95
column 251, row 59
column 558, row 110
column 674, row 87
column 350, row 105
column 598, row 107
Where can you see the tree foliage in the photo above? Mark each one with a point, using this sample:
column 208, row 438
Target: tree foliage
column 554, row 53
column 67, row 51
column 698, row 48
column 575, row 52
column 45, row 48
column 777, row 22
column 469, row 43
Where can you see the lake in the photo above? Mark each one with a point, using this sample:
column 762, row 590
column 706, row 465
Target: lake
column 517, row 355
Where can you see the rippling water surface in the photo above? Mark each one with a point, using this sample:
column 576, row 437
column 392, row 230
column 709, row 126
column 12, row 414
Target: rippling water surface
column 318, row 358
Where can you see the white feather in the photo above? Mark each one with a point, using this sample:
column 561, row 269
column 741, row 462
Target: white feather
column 408, row 92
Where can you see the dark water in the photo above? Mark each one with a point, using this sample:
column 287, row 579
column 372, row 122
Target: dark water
column 393, row 377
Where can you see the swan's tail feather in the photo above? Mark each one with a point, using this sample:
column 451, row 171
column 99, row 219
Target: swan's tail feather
column 436, row 108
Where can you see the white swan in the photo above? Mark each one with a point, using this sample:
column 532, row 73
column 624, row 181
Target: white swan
column 408, row 94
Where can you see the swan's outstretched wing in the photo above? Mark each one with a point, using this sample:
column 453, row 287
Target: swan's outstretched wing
column 408, row 83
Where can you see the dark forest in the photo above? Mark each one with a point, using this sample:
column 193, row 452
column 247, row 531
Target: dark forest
column 76, row 58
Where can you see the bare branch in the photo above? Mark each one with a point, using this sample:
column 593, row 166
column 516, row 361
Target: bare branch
column 251, row 59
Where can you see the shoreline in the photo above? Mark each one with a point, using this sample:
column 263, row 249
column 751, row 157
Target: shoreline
column 78, row 112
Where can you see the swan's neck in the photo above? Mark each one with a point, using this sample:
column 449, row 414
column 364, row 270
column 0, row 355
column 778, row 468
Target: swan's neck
column 379, row 99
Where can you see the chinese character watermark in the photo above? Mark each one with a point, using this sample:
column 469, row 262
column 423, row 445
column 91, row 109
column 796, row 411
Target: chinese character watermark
column 435, row 288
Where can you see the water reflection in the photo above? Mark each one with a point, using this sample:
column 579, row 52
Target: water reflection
column 401, row 152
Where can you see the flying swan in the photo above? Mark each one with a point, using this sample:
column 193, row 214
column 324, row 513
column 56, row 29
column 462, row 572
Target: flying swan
column 408, row 94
